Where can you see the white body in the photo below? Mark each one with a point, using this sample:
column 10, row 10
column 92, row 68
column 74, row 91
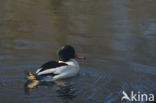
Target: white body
column 63, row 72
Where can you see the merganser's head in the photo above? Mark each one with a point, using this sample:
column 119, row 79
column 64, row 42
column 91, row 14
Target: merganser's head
column 67, row 52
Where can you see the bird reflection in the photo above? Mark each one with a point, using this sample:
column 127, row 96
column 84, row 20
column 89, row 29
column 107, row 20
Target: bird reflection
column 65, row 93
column 29, row 85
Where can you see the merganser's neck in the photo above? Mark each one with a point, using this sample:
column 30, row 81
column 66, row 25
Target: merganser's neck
column 71, row 62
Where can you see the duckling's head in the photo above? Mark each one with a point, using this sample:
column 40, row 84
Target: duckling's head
column 31, row 76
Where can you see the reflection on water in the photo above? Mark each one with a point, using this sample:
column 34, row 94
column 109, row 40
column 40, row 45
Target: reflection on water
column 66, row 93
column 29, row 85
column 117, row 37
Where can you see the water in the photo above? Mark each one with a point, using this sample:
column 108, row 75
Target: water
column 117, row 37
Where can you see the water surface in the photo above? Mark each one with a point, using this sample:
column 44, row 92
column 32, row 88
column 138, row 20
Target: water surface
column 117, row 37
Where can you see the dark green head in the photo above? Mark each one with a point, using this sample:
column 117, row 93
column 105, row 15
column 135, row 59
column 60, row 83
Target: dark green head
column 65, row 53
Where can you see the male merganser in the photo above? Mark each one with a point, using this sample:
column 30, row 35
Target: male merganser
column 66, row 67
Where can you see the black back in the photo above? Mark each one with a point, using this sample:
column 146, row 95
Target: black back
column 51, row 64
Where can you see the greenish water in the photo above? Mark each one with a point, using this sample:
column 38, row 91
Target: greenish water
column 118, row 38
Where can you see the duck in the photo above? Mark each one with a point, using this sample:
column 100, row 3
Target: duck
column 66, row 66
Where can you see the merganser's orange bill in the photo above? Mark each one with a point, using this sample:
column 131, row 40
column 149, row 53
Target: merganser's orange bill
column 79, row 57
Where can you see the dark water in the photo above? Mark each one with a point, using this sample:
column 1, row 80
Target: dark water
column 118, row 37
